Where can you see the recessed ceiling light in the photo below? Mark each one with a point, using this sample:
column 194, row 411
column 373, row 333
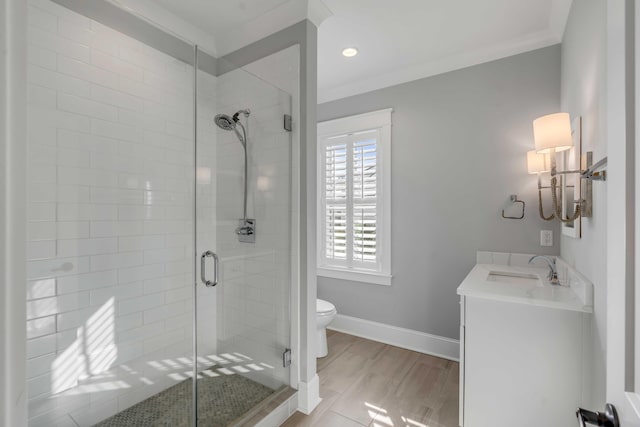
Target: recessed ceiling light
column 349, row 52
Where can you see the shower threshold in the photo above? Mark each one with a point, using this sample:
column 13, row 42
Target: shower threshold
column 227, row 400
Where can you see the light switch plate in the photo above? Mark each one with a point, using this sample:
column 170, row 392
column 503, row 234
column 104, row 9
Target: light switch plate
column 546, row 237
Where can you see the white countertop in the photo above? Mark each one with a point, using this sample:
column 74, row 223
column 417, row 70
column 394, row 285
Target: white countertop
column 539, row 293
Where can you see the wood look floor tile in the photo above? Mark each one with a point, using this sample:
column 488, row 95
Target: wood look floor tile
column 337, row 343
column 332, row 419
column 364, row 399
column 300, row 420
column 366, row 383
column 365, row 348
column 437, row 362
column 425, row 381
column 394, row 363
column 344, row 371
column 400, row 413
column 446, row 411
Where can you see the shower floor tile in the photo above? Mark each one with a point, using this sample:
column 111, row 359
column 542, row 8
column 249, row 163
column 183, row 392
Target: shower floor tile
column 221, row 400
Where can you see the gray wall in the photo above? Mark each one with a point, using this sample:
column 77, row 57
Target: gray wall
column 459, row 144
column 584, row 94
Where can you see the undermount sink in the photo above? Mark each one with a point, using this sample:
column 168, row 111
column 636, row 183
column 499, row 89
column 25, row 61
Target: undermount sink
column 525, row 284
column 513, row 278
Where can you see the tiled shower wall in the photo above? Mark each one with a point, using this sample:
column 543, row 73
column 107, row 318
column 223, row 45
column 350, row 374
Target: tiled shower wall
column 253, row 303
column 110, row 229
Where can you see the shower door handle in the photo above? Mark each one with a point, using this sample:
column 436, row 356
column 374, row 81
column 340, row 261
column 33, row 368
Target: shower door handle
column 203, row 269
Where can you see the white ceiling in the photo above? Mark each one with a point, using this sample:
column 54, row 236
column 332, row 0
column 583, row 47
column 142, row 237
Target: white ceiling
column 220, row 17
column 398, row 40
column 236, row 23
column 403, row 40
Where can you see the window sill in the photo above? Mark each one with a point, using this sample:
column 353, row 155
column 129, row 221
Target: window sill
column 355, row 276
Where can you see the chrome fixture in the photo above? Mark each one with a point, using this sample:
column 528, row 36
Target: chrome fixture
column 246, row 230
column 203, row 270
column 288, row 123
column 514, row 199
column 608, row 418
column 539, row 164
column 553, row 134
column 552, row 277
column 247, row 227
column 286, row 358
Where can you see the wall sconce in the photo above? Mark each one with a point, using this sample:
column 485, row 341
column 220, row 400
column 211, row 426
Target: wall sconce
column 552, row 135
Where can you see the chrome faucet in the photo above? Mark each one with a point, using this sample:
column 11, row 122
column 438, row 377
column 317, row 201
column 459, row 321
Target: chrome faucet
column 553, row 272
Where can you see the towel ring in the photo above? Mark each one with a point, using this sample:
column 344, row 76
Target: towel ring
column 514, row 199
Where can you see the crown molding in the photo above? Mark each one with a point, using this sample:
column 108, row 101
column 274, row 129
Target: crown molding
column 151, row 12
column 441, row 66
column 275, row 20
column 318, row 12
column 560, row 10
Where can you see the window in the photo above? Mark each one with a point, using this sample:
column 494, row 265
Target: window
column 354, row 195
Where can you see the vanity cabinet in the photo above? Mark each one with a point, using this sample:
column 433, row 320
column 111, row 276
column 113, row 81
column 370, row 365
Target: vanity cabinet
column 523, row 363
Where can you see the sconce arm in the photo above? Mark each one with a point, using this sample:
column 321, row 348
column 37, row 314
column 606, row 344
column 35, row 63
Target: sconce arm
column 593, row 172
column 555, row 172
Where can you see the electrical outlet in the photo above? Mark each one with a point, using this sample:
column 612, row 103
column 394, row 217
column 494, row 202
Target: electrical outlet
column 546, row 237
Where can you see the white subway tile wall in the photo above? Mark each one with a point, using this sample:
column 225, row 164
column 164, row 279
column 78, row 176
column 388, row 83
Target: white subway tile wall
column 111, row 232
column 111, row 210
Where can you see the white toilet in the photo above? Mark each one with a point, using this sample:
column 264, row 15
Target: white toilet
column 325, row 313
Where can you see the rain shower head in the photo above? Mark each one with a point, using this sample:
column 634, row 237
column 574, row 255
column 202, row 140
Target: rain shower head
column 225, row 122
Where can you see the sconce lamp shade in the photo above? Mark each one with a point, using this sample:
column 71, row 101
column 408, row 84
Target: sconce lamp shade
column 552, row 132
column 538, row 163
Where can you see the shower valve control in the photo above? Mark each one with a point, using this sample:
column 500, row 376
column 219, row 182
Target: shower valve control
column 246, row 230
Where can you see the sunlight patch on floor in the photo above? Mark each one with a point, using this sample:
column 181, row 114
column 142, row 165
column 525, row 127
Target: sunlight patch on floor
column 382, row 419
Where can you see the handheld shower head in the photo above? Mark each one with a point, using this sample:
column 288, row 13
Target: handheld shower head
column 225, row 122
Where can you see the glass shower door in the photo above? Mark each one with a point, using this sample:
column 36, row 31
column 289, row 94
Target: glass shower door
column 243, row 244
column 110, row 224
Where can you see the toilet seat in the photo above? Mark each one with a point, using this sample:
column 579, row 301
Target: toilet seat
column 324, row 308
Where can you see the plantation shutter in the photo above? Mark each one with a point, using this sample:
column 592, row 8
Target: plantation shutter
column 350, row 200
column 365, row 191
column 335, row 197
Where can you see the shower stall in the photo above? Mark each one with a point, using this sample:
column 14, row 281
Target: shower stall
column 160, row 239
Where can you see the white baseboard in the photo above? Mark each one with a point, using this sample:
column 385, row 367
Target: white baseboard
column 434, row 345
column 309, row 395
